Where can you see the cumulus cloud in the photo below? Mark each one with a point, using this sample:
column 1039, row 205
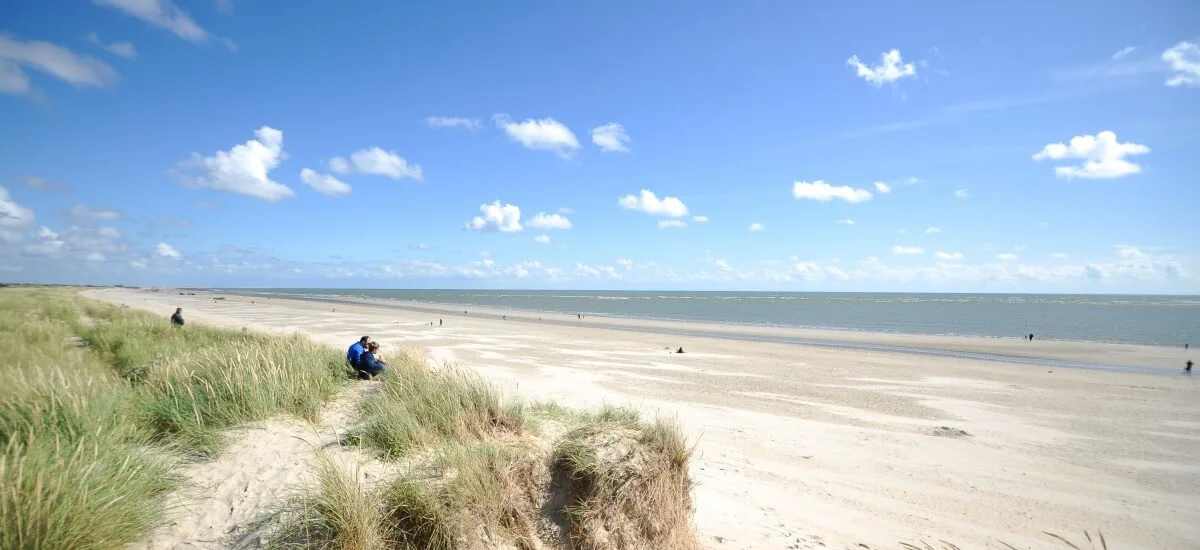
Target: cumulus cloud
column 961, row 193
column 671, row 224
column 161, row 13
column 700, row 219
column 549, row 221
column 882, row 187
column 823, row 192
column 611, row 138
column 1184, row 59
column 164, row 250
column 496, row 217
column 376, row 161
column 625, row 263
column 1103, row 155
column 542, row 239
column 1127, row 251
column 324, row 183
column 244, row 169
column 846, row 221
column 48, row 243
column 94, row 257
column 54, row 60
column 13, row 214
column 99, row 213
column 648, row 202
column 932, row 230
column 947, row 256
column 123, row 49
column 907, row 250
column 544, row 134
column 757, row 227
column 891, row 68
column 472, row 124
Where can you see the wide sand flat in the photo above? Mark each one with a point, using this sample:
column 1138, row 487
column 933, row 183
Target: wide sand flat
column 812, row 446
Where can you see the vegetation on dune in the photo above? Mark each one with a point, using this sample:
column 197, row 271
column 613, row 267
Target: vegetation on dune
column 85, row 429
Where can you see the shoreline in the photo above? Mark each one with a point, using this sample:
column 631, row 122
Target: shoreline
column 1053, row 353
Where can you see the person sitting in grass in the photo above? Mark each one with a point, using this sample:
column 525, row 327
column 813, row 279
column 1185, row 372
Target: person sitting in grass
column 354, row 354
column 370, row 363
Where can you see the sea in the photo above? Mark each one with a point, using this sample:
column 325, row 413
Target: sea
column 1150, row 320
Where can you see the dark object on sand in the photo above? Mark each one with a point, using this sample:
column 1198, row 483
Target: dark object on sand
column 680, row 350
column 1188, row 368
column 177, row 317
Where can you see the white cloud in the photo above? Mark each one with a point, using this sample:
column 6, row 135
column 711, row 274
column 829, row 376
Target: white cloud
column 1104, row 156
column 882, row 187
column 821, row 191
column 161, row 13
column 41, row 184
column 108, row 233
column 123, row 49
column 244, row 169
column 946, row 256
column 1006, row 257
column 544, row 134
column 94, row 257
column 625, row 263
column 506, row 218
column 137, row 264
column 472, row 124
column 890, row 68
column 668, row 224
column 10, row 237
column 1127, row 251
column 324, row 183
column 757, row 227
column 418, row 246
column 907, row 250
column 49, row 243
column 647, row 202
column 82, row 211
column 47, row 233
column 13, row 214
column 565, row 210
column 1184, row 58
column 57, row 61
column 376, row 161
column 1124, row 52
column 611, row 138
column 961, row 193
column 164, row 250
column 542, row 239
column 700, row 219
column 339, row 165
column 549, row 221
column 931, row 230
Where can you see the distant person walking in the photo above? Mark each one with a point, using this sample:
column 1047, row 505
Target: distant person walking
column 439, row 322
column 1188, row 369
column 177, row 318
column 1031, row 337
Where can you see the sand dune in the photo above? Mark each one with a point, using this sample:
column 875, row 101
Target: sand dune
column 807, row 447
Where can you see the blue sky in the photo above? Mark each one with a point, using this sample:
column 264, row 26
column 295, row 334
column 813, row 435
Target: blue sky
column 1025, row 147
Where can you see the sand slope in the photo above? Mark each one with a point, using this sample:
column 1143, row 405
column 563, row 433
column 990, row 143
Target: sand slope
column 811, row 447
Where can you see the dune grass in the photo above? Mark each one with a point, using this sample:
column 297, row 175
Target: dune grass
column 90, row 434
column 335, row 513
column 419, row 407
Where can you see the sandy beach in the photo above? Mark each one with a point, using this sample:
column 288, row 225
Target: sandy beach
column 803, row 446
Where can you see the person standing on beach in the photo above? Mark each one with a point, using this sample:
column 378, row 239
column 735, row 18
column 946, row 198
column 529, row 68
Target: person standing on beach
column 1031, row 337
column 439, row 322
column 177, row 318
column 1188, row 369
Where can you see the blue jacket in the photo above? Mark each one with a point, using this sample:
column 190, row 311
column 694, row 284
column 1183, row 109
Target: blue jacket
column 368, row 362
column 354, row 354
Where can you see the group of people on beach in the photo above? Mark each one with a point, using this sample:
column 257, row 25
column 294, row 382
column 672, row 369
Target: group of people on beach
column 363, row 355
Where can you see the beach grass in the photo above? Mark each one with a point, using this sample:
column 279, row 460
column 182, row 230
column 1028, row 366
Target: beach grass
column 98, row 404
column 420, row 407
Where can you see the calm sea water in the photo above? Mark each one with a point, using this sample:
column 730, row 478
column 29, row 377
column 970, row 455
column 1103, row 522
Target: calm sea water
column 1161, row 320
